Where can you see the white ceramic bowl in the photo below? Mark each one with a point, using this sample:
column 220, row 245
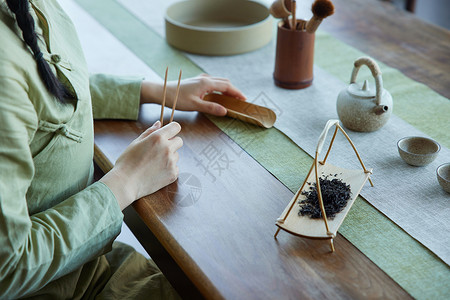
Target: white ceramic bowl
column 443, row 176
column 218, row 27
column 418, row 151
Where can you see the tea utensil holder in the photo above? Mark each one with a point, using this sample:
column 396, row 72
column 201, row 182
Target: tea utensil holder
column 294, row 57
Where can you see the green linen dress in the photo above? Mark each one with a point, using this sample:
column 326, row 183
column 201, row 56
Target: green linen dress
column 55, row 225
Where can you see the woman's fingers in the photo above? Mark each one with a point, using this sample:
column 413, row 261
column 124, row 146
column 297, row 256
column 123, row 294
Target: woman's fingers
column 150, row 130
column 211, row 108
column 224, row 86
column 168, row 131
column 175, row 159
column 147, row 164
column 176, row 143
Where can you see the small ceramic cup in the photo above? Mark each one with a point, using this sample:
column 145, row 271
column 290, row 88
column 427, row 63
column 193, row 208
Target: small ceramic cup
column 443, row 176
column 418, row 151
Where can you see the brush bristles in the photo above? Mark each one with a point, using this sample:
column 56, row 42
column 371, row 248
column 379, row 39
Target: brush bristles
column 322, row 8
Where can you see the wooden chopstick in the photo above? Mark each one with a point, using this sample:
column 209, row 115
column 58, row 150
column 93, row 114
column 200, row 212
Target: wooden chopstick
column 176, row 98
column 294, row 17
column 161, row 120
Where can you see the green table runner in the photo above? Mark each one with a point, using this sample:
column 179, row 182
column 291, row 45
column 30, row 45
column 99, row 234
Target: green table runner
column 415, row 268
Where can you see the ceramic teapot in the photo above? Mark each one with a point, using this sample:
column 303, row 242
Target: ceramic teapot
column 359, row 107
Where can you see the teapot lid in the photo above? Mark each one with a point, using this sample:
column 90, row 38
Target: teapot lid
column 363, row 91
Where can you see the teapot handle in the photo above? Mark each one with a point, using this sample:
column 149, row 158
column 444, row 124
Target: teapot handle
column 376, row 73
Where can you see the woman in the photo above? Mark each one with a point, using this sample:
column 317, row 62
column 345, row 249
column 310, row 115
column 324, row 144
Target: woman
column 55, row 226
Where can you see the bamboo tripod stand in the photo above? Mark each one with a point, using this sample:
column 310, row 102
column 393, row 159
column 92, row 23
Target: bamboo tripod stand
column 310, row 228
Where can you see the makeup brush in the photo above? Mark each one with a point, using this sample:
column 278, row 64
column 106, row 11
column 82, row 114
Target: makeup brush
column 320, row 9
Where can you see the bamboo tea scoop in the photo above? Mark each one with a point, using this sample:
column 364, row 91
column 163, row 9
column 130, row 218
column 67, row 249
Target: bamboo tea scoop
column 280, row 9
column 244, row 111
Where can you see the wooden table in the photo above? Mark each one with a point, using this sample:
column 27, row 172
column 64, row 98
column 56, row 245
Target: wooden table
column 217, row 227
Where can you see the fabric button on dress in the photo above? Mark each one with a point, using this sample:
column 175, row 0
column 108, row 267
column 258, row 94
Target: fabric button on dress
column 56, row 58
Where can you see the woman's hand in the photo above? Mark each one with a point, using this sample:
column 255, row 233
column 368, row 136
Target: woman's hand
column 148, row 164
column 192, row 91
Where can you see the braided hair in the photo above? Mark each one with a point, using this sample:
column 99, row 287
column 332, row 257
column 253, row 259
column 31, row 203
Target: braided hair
column 26, row 23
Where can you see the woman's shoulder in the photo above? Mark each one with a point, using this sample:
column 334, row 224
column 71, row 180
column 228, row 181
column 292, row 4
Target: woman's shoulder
column 14, row 55
column 15, row 61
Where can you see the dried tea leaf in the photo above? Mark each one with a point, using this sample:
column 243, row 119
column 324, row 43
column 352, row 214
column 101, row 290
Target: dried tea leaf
column 335, row 195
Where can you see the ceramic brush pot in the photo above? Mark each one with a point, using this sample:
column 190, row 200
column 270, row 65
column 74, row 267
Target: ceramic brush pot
column 294, row 57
